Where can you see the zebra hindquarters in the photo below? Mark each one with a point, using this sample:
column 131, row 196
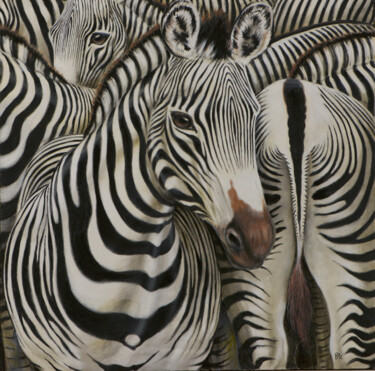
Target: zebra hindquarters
column 339, row 243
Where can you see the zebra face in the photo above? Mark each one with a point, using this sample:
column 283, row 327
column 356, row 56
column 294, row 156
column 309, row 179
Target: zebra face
column 202, row 148
column 87, row 37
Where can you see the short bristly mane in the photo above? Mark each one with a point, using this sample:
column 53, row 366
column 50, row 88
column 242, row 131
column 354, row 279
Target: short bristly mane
column 214, row 35
column 15, row 45
column 117, row 65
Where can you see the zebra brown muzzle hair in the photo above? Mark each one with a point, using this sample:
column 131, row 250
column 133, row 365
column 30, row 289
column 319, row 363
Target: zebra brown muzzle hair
column 249, row 236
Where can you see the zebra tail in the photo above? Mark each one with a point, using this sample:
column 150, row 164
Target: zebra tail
column 299, row 305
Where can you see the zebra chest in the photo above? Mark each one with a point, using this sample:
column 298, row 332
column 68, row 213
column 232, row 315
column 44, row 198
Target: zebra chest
column 126, row 310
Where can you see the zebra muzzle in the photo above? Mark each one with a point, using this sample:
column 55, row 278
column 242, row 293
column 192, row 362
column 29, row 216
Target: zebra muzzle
column 249, row 236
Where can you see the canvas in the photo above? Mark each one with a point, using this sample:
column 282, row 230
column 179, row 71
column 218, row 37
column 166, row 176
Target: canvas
column 187, row 184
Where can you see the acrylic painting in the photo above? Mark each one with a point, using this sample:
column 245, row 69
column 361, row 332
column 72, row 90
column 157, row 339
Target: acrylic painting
column 187, row 184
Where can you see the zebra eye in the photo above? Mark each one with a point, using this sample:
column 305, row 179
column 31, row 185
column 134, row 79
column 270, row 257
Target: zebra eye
column 99, row 38
column 182, row 120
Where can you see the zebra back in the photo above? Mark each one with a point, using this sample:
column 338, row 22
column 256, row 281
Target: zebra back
column 350, row 54
column 321, row 50
column 32, row 19
column 17, row 46
column 294, row 15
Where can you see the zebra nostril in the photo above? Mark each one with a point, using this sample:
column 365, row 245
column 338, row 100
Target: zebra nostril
column 233, row 239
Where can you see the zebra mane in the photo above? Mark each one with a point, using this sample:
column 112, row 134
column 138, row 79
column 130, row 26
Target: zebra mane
column 112, row 88
column 215, row 33
column 327, row 44
column 16, row 46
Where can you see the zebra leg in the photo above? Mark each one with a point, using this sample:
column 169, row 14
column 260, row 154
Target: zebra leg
column 13, row 357
column 340, row 232
column 350, row 302
column 223, row 355
column 321, row 327
column 315, row 353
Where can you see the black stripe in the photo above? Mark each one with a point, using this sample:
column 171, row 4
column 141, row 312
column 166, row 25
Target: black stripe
column 295, row 101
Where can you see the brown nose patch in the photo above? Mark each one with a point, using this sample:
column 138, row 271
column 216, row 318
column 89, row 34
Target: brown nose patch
column 253, row 230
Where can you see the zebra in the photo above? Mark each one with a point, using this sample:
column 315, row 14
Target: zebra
column 263, row 54
column 36, row 105
column 68, row 111
column 32, row 19
column 131, row 171
column 291, row 16
column 315, row 150
column 91, row 34
column 312, row 55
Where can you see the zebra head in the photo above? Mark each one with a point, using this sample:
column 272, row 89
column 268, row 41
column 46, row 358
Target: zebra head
column 202, row 135
column 86, row 38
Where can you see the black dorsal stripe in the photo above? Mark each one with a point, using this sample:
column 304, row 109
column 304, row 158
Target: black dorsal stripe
column 295, row 101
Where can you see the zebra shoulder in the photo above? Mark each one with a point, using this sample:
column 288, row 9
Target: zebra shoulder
column 42, row 167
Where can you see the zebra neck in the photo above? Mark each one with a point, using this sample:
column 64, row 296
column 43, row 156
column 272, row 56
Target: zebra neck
column 136, row 25
column 110, row 171
column 77, row 118
column 145, row 11
column 129, row 72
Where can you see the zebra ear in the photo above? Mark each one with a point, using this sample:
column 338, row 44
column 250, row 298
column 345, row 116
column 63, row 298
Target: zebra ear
column 180, row 28
column 251, row 32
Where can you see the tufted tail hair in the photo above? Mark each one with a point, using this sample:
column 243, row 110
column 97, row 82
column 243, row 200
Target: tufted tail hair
column 299, row 305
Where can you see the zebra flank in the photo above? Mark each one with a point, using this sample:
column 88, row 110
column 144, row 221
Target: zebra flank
column 314, row 55
column 36, row 105
column 326, row 44
column 352, row 53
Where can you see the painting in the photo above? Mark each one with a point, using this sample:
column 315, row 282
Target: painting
column 187, row 184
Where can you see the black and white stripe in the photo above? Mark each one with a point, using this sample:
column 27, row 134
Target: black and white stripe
column 291, row 16
column 32, row 19
column 339, row 56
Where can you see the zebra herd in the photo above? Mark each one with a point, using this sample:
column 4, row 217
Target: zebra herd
column 187, row 184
